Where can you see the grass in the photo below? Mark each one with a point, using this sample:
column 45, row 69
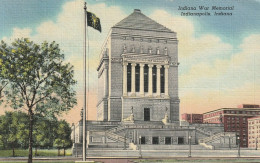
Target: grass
column 206, row 160
column 38, row 161
column 40, row 152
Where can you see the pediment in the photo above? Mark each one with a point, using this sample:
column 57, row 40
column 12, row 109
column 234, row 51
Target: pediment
column 146, row 58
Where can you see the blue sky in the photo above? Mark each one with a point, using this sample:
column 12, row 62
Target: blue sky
column 219, row 55
column 29, row 13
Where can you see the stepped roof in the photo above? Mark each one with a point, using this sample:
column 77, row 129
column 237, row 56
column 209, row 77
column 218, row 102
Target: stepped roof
column 137, row 20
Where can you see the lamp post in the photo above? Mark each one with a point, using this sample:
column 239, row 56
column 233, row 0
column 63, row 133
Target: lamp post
column 229, row 141
column 238, row 140
column 140, row 150
column 76, row 147
column 74, row 139
column 256, row 143
column 189, row 146
column 125, row 141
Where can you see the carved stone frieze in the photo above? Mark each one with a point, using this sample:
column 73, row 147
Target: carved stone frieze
column 165, row 51
column 119, row 60
column 146, row 58
column 172, row 63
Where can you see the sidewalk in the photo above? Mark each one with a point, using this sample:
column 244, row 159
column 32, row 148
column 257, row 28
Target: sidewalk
column 171, row 153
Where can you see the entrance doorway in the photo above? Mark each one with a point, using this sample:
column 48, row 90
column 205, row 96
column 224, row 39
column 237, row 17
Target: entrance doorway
column 142, row 140
column 180, row 140
column 146, row 114
column 155, row 140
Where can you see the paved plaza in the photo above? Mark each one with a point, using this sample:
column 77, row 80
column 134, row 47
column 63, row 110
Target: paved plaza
column 171, row 153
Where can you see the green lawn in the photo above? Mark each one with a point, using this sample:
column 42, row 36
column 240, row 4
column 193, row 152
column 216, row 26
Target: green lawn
column 205, row 160
column 38, row 161
column 41, row 152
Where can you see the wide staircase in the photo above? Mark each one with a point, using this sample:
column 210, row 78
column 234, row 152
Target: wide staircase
column 204, row 132
column 115, row 134
column 214, row 141
column 114, row 139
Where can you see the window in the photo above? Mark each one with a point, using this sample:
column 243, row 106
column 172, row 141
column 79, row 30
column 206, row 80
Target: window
column 146, row 114
column 129, row 77
column 154, row 70
column 142, row 140
column 168, row 140
column 162, row 80
column 146, row 78
column 155, row 140
column 137, row 78
column 180, row 140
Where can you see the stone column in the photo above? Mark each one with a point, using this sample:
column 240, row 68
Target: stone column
column 158, row 81
column 141, row 79
column 166, row 68
column 133, row 79
column 125, row 79
column 106, row 80
column 150, row 83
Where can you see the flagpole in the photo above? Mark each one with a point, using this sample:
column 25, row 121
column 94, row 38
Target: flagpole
column 85, row 84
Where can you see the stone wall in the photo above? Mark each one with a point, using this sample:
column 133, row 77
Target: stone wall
column 157, row 108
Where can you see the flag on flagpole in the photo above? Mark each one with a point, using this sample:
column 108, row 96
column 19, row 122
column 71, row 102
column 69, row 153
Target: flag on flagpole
column 93, row 21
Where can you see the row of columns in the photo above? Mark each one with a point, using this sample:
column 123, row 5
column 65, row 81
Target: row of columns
column 150, row 85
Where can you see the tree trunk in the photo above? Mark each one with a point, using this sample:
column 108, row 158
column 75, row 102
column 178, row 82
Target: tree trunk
column 35, row 151
column 30, row 135
column 58, row 151
column 13, row 152
column 63, row 151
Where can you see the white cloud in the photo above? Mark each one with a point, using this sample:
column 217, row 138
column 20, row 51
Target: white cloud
column 213, row 73
column 210, row 71
column 18, row 33
column 227, row 83
column 205, row 46
column 67, row 31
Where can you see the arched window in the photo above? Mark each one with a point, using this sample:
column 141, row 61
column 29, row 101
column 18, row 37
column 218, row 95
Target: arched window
column 146, row 78
column 162, row 80
column 129, row 77
column 137, row 78
column 154, row 78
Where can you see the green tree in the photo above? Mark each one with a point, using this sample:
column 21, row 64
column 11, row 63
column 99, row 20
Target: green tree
column 4, row 129
column 38, row 80
column 3, row 84
column 9, row 130
column 63, row 139
column 43, row 133
column 13, row 139
column 22, row 130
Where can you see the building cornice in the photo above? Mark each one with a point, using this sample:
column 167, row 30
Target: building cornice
column 146, row 98
column 101, row 62
column 144, row 38
column 146, row 58
column 129, row 28
column 237, row 115
column 233, row 109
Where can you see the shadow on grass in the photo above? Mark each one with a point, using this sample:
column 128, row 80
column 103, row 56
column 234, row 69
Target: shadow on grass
column 40, row 152
column 222, row 160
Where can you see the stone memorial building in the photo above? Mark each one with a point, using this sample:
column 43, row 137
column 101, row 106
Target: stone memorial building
column 138, row 101
column 138, row 60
